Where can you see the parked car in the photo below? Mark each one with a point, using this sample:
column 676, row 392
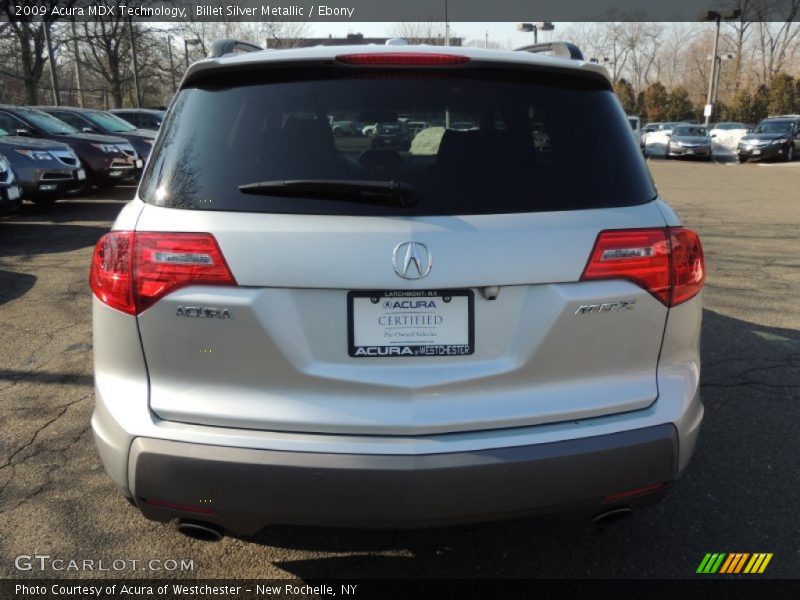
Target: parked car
column 773, row 138
column 10, row 192
column 107, row 160
column 345, row 129
column 100, row 121
column 142, row 118
column 45, row 170
column 728, row 126
column 689, row 141
column 391, row 136
column 636, row 126
column 473, row 334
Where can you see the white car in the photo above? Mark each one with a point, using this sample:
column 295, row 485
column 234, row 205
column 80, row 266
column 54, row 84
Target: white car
column 289, row 328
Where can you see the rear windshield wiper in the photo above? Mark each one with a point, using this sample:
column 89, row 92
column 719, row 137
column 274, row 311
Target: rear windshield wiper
column 349, row 190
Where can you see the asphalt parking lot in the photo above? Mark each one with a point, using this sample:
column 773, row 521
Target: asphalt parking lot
column 740, row 494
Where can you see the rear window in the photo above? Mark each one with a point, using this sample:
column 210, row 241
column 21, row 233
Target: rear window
column 475, row 142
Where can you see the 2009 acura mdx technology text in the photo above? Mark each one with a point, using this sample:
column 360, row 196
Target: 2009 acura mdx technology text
column 295, row 327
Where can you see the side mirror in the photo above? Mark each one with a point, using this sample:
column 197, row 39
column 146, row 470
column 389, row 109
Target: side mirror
column 23, row 131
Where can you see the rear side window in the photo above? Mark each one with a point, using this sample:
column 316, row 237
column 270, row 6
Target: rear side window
column 475, row 142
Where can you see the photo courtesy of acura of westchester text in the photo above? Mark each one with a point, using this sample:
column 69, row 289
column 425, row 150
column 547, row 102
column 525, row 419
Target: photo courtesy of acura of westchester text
column 367, row 298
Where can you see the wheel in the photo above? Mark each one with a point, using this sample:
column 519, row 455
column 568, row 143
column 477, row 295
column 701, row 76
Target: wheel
column 742, row 159
column 789, row 153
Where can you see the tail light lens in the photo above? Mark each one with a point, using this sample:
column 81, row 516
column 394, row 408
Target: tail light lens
column 131, row 271
column 403, row 59
column 667, row 262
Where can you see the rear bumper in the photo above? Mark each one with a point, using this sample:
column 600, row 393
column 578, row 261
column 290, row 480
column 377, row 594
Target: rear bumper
column 244, row 490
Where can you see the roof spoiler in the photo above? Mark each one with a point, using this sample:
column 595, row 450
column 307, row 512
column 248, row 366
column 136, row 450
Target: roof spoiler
column 228, row 46
column 560, row 49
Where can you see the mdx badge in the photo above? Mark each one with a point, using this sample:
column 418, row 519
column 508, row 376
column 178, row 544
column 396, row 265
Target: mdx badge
column 586, row 309
column 203, row 312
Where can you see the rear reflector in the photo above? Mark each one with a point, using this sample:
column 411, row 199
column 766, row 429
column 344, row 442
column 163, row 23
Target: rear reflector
column 402, row 59
column 648, row 489
column 131, row 271
column 667, row 262
column 192, row 508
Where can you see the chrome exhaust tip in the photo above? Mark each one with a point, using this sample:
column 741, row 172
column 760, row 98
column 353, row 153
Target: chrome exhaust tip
column 610, row 517
column 197, row 530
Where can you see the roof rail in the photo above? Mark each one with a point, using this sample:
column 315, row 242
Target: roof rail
column 560, row 49
column 229, row 46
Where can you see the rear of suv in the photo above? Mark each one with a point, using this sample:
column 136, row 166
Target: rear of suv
column 295, row 327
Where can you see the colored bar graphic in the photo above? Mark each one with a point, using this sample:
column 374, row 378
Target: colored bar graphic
column 733, row 563
column 732, row 558
column 703, row 563
column 764, row 564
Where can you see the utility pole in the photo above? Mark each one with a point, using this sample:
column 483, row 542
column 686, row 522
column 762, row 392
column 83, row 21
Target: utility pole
column 76, row 51
column 53, row 74
column 135, row 64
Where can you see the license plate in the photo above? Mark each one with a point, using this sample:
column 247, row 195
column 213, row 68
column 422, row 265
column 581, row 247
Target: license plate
column 756, row 151
column 139, row 163
column 410, row 323
column 81, row 174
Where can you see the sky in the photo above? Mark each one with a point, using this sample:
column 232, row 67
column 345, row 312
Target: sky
column 505, row 34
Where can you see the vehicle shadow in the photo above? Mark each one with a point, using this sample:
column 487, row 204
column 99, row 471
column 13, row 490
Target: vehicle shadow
column 26, row 239
column 750, row 389
column 14, row 285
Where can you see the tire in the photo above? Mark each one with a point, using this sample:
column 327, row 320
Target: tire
column 44, row 199
column 742, row 159
column 789, row 153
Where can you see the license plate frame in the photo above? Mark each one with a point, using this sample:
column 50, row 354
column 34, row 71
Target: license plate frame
column 408, row 349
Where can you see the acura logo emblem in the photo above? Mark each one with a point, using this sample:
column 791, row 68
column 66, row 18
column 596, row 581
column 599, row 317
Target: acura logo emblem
column 412, row 260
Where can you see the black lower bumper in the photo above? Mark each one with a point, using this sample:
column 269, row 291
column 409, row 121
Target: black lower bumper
column 244, row 490
column 763, row 153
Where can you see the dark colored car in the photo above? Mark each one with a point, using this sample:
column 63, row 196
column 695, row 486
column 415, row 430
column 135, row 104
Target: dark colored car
column 106, row 159
column 391, row 136
column 689, row 141
column 45, row 169
column 100, row 121
column 776, row 138
column 10, row 192
column 143, row 118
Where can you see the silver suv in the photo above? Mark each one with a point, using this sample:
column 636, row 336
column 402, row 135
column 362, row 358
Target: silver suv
column 296, row 327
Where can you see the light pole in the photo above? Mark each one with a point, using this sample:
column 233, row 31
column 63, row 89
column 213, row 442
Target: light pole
column 717, row 17
column 135, row 64
column 171, row 64
column 53, row 73
column 536, row 28
column 186, row 44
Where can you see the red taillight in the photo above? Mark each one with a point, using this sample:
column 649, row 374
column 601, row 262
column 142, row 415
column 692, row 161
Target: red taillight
column 667, row 262
column 131, row 271
column 111, row 274
column 688, row 264
column 402, row 59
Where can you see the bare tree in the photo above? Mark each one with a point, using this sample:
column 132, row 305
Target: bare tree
column 29, row 32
